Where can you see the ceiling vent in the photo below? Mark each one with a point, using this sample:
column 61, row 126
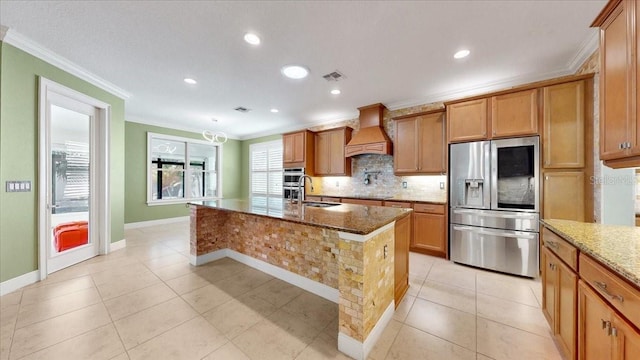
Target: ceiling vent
column 242, row 109
column 334, row 76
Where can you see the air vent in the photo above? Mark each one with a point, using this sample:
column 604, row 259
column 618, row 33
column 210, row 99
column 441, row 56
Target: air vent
column 242, row 109
column 334, row 76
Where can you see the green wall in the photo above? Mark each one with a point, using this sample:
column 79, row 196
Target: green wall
column 244, row 164
column 19, row 73
column 136, row 208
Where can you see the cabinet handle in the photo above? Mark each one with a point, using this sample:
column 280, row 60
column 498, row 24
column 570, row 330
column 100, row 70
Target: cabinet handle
column 553, row 245
column 604, row 323
column 614, row 332
column 621, row 146
column 608, row 328
column 603, row 287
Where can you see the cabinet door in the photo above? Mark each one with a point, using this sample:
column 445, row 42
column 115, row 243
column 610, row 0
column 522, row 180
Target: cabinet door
column 614, row 83
column 563, row 126
column 549, row 287
column 322, row 153
column 431, row 144
column 337, row 161
column 627, row 340
column 298, row 146
column 515, row 114
column 594, row 322
column 405, row 153
column 634, row 132
column 429, row 232
column 566, row 309
column 401, row 257
column 467, row 121
column 287, row 144
column 563, row 195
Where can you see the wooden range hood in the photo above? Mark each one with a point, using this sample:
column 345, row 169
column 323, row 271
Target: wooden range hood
column 371, row 138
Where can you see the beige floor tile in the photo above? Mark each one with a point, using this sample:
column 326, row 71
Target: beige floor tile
column 504, row 342
column 280, row 337
column 227, row 351
column 9, row 314
column 382, row 346
column 314, row 310
column 69, row 273
column 323, row 347
column 447, row 323
column 11, row 299
column 506, row 288
column 453, row 275
column 131, row 303
column 101, row 343
column 173, row 271
column 49, row 291
column 206, row 298
column 163, row 261
column 420, row 265
column 333, row 328
column 187, row 283
column 6, row 337
column 118, row 273
column 415, row 344
column 125, row 284
column 143, row 252
column 193, row 339
column 451, row 296
column 123, row 356
column 36, row 312
column 146, row 324
column 403, row 309
column 235, row 316
column 113, row 261
column 276, row 292
column 482, row 357
column 243, row 282
column 221, row 269
column 415, row 283
column 40, row 335
column 514, row 314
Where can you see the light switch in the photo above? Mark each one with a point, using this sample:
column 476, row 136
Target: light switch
column 18, row 186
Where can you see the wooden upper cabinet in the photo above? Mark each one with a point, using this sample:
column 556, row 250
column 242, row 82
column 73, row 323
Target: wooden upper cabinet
column 619, row 78
column 514, row 114
column 563, row 125
column 298, row 150
column 467, row 121
column 420, row 146
column 329, row 152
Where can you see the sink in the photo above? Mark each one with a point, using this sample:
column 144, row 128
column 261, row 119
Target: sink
column 319, row 204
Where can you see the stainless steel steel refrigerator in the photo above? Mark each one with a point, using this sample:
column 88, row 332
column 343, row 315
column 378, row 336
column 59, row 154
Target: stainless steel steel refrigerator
column 494, row 204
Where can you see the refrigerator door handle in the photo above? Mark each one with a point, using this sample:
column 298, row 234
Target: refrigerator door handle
column 484, row 231
column 495, row 215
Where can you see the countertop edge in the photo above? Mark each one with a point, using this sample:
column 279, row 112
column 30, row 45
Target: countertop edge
column 609, row 264
column 399, row 199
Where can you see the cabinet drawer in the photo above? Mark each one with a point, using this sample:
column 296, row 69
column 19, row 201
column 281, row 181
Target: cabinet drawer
column 330, row 199
column 429, row 208
column 397, row 204
column 565, row 251
column 618, row 293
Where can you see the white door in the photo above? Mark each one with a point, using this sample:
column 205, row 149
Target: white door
column 72, row 176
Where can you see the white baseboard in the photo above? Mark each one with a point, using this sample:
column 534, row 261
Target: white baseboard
column 360, row 350
column 140, row 224
column 302, row 282
column 16, row 283
column 118, row 245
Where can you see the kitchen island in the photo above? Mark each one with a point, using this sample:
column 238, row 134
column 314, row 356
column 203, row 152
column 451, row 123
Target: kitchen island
column 342, row 252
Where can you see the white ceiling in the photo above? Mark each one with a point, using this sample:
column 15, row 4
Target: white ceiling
column 395, row 52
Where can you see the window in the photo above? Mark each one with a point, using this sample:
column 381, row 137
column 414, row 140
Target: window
column 265, row 162
column 182, row 169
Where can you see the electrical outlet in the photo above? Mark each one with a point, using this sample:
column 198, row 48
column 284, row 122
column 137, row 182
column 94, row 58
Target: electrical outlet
column 404, row 184
column 337, row 183
column 442, row 185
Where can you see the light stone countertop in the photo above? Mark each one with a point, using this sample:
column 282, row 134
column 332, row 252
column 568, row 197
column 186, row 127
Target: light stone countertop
column 431, row 198
column 356, row 219
column 616, row 246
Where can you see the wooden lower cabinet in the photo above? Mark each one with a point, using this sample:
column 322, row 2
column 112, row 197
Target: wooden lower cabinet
column 602, row 334
column 429, row 233
column 401, row 258
column 362, row 202
column 559, row 301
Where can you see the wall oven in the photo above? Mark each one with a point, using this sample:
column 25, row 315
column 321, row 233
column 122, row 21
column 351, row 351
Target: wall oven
column 494, row 204
column 291, row 176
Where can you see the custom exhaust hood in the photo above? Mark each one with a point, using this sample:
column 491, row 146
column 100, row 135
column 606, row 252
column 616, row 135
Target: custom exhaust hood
column 371, row 138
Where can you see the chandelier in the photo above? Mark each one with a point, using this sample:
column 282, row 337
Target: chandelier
column 215, row 136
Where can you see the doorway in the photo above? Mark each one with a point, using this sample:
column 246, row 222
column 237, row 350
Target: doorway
column 73, row 177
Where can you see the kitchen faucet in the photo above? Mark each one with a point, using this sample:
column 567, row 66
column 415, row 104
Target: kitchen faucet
column 300, row 191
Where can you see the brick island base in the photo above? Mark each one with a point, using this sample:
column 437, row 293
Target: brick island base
column 355, row 271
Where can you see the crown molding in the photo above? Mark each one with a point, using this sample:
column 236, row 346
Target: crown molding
column 286, row 129
column 29, row 46
column 138, row 120
column 587, row 48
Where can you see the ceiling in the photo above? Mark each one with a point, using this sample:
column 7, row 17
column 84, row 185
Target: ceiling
column 396, row 52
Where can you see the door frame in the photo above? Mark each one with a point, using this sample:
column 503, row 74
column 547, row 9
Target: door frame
column 102, row 146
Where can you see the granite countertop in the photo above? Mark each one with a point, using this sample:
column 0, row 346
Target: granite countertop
column 433, row 198
column 616, row 246
column 356, row 219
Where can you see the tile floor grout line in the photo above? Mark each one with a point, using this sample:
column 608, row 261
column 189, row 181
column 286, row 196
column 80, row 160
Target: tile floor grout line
column 511, row 301
column 441, row 338
column 444, row 305
column 513, row 327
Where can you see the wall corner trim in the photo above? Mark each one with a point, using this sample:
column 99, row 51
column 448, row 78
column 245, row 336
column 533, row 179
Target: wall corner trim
column 360, row 350
column 140, row 224
column 18, row 282
column 120, row 244
column 29, row 46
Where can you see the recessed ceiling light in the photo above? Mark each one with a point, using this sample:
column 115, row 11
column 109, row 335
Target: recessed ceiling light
column 461, row 54
column 252, row 38
column 336, row 92
column 295, row 71
column 190, row 81
column 274, row 110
